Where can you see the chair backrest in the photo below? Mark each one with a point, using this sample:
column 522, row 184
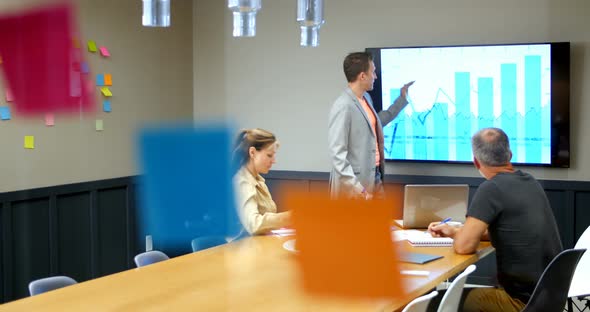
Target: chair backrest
column 420, row 304
column 550, row 294
column 580, row 285
column 452, row 297
column 49, row 283
column 205, row 242
column 149, row 257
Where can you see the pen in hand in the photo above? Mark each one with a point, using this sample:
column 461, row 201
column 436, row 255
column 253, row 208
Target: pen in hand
column 437, row 233
column 445, row 221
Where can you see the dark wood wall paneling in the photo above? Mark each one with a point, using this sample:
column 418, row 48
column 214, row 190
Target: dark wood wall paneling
column 570, row 201
column 82, row 230
column 86, row 230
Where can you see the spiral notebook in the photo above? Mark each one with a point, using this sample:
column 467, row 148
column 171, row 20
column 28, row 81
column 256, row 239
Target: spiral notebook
column 430, row 241
column 424, row 239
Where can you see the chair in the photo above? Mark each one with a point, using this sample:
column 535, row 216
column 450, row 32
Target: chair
column 421, row 303
column 452, row 297
column 580, row 287
column 551, row 291
column 150, row 257
column 49, row 283
column 205, row 242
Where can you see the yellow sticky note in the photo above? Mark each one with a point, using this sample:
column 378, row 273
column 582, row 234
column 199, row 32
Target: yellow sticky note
column 29, row 141
column 92, row 46
column 106, row 92
column 108, row 80
column 99, row 125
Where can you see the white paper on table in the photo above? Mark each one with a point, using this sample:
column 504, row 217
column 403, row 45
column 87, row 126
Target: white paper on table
column 283, row 232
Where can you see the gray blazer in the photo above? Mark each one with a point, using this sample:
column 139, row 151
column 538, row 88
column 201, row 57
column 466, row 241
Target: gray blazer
column 352, row 144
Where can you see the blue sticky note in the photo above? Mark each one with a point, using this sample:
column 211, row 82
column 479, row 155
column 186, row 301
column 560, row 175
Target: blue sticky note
column 84, row 68
column 100, row 80
column 106, row 106
column 171, row 161
column 5, row 113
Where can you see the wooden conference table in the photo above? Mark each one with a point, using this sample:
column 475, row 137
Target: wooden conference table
column 254, row 274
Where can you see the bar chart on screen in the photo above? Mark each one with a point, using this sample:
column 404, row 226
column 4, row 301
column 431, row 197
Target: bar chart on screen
column 459, row 90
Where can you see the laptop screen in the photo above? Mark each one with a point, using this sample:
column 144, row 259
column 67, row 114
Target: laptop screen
column 426, row 203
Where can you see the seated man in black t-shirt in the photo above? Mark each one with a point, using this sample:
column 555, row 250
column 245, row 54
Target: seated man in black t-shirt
column 511, row 209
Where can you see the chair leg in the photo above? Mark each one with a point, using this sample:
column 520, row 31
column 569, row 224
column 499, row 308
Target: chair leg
column 573, row 306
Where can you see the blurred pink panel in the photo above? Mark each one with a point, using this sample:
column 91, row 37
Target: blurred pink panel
column 41, row 65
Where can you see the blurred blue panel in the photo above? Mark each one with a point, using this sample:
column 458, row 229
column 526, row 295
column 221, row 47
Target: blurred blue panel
column 186, row 186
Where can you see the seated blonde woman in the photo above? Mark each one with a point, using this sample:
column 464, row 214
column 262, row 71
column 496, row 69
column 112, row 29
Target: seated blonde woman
column 255, row 150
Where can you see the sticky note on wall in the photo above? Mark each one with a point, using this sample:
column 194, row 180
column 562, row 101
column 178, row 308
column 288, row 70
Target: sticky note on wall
column 5, row 113
column 100, row 80
column 49, row 120
column 29, row 142
column 9, row 96
column 92, row 46
column 106, row 106
column 108, row 80
column 85, row 68
column 99, row 125
column 106, row 92
column 104, row 52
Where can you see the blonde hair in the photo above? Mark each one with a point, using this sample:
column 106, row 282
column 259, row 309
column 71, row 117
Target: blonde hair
column 257, row 138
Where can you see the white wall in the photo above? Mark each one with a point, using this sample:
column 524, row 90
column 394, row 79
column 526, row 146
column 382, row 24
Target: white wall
column 269, row 81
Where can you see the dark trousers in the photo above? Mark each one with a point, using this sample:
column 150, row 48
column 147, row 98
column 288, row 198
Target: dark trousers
column 481, row 299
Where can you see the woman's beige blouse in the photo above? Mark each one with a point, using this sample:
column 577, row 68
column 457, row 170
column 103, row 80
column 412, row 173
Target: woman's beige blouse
column 257, row 210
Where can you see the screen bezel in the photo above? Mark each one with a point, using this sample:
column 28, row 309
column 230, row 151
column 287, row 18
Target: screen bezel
column 560, row 100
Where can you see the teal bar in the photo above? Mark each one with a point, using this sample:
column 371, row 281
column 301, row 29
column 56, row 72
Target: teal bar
column 485, row 101
column 463, row 113
column 532, row 100
column 508, row 98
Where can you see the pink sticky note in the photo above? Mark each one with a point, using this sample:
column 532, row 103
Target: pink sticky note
column 104, row 52
column 38, row 43
column 9, row 96
column 49, row 120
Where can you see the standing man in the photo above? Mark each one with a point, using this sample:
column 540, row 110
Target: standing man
column 511, row 209
column 356, row 132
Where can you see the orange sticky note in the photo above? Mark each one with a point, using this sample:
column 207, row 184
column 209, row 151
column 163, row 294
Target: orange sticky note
column 344, row 246
column 29, row 142
column 0, row 59
column 104, row 52
column 91, row 46
column 76, row 43
column 108, row 80
column 49, row 120
column 106, row 92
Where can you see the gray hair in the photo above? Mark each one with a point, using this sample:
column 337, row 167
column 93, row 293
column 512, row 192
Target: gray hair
column 491, row 147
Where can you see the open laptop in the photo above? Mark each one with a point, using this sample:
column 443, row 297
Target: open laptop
column 425, row 203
